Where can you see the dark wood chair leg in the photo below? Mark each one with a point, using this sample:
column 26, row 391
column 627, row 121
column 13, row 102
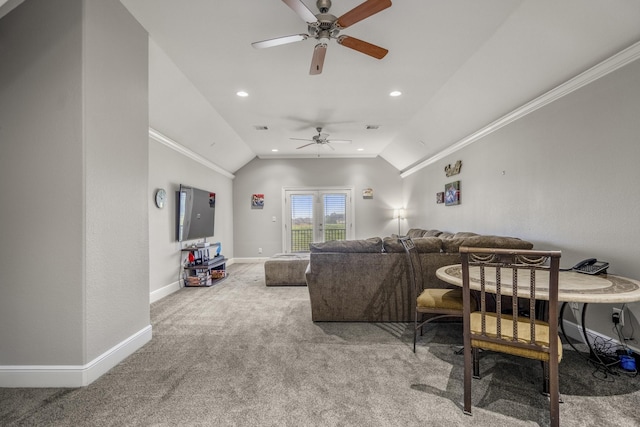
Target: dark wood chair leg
column 554, row 394
column 476, row 363
column 468, row 360
column 415, row 329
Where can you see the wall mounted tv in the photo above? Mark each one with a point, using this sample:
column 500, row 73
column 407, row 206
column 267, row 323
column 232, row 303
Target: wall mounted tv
column 195, row 213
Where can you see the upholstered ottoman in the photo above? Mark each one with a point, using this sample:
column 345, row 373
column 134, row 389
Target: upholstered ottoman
column 286, row 269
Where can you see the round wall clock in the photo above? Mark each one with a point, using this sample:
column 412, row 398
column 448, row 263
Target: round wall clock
column 161, row 198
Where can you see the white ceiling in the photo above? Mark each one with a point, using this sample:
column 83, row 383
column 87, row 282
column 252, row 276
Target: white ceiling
column 460, row 65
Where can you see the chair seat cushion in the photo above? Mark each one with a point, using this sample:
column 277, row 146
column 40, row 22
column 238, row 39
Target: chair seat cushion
column 450, row 299
column 524, row 335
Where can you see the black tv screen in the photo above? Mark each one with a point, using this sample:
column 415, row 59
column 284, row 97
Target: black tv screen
column 195, row 213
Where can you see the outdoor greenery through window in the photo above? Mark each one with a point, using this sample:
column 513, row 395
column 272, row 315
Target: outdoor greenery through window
column 332, row 225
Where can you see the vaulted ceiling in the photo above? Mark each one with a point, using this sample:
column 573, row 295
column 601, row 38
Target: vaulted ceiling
column 460, row 65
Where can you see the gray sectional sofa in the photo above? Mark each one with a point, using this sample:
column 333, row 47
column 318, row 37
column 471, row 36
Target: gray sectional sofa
column 366, row 280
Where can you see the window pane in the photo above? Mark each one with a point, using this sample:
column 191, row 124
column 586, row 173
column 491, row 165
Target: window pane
column 335, row 213
column 301, row 222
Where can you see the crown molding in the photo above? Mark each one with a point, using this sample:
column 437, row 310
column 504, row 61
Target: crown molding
column 157, row 136
column 594, row 73
column 323, row 155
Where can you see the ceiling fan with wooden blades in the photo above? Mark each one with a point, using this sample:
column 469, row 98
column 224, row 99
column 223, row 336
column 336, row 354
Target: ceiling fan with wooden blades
column 322, row 139
column 325, row 26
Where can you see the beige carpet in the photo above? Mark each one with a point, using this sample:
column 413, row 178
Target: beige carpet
column 243, row 354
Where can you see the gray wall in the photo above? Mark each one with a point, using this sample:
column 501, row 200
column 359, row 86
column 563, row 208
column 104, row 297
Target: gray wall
column 116, row 117
column 73, row 179
column 569, row 183
column 41, row 183
column 168, row 169
column 253, row 228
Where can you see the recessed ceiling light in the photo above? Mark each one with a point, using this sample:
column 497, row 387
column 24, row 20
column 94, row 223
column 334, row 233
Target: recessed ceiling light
column 360, row 149
column 260, row 127
column 242, row 93
column 372, row 127
column 275, row 150
column 395, row 93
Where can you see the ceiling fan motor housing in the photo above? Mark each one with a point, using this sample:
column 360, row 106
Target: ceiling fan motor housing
column 324, row 27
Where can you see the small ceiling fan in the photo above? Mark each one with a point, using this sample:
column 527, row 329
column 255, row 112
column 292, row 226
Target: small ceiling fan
column 321, row 139
column 325, row 26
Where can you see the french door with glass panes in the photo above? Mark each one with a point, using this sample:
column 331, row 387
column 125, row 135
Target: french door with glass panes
column 316, row 215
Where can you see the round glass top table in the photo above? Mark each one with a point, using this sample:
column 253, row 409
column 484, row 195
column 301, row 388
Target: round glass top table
column 572, row 286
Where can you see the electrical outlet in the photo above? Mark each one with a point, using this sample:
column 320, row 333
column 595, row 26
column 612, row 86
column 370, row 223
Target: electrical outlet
column 620, row 313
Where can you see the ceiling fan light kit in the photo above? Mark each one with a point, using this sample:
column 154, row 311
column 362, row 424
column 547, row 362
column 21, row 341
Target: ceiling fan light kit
column 325, row 26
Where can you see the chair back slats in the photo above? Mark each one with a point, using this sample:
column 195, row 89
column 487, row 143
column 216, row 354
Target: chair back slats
column 498, row 304
column 532, row 304
column 414, row 266
column 506, row 264
column 483, row 300
column 515, row 309
column 519, row 275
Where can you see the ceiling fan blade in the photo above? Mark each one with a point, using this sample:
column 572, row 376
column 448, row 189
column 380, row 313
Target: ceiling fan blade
column 362, row 11
column 317, row 61
column 302, row 10
column 306, row 145
column 363, row 47
column 301, row 139
column 279, row 41
column 329, row 146
column 339, row 141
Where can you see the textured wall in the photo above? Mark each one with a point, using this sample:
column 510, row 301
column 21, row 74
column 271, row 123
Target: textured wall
column 116, row 121
column 41, row 185
column 254, row 228
column 563, row 177
column 168, row 169
column 73, row 179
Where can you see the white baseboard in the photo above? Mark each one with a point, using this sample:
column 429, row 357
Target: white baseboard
column 73, row 375
column 158, row 294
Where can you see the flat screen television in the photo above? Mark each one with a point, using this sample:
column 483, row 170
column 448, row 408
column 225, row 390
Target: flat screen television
column 195, row 213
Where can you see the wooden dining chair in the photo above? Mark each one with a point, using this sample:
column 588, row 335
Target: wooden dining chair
column 522, row 276
column 438, row 303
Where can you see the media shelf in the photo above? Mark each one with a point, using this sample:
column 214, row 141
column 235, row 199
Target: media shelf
column 200, row 270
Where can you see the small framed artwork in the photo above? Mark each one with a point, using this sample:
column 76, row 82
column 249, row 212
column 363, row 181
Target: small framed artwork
column 440, row 197
column 367, row 193
column 257, row 201
column 452, row 193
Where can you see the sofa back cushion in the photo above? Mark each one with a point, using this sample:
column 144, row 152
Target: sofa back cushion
column 415, row 232
column 373, row 244
column 453, row 245
column 423, row 244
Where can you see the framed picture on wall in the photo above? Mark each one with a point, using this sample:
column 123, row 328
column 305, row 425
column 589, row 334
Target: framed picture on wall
column 440, row 197
column 452, row 193
column 257, row 201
